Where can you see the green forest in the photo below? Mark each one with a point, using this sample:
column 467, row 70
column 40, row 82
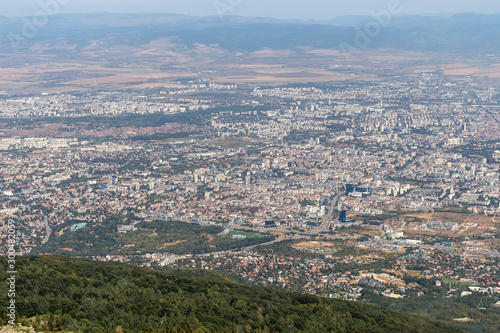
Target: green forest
column 56, row 293
column 150, row 237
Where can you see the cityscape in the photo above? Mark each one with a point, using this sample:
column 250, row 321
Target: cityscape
column 374, row 180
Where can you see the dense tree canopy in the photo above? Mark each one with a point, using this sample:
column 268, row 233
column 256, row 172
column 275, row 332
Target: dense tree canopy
column 89, row 296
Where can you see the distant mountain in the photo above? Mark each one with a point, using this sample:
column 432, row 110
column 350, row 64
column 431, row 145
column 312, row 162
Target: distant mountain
column 464, row 33
column 86, row 296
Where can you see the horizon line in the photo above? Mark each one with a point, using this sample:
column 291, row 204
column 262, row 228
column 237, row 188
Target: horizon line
column 255, row 16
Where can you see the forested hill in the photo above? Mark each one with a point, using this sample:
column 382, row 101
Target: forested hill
column 86, row 296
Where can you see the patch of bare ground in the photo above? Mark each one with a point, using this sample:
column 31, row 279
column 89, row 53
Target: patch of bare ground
column 164, row 245
column 313, row 245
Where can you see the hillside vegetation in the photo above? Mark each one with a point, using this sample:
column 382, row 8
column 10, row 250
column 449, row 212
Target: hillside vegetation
column 150, row 237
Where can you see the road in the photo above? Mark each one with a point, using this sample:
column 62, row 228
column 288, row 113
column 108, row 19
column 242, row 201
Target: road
column 277, row 240
column 417, row 160
column 325, row 225
column 47, row 228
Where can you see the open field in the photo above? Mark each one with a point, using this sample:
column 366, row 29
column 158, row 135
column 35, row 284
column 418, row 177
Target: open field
column 246, row 233
column 161, row 63
column 314, row 245
column 229, row 143
column 43, row 130
column 456, row 217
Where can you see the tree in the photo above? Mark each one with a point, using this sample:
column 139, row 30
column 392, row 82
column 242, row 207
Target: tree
column 146, row 329
column 5, row 319
column 57, row 324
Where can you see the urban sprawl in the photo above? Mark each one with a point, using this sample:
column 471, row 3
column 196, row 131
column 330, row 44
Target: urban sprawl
column 404, row 172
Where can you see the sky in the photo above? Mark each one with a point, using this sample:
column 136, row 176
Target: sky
column 283, row 9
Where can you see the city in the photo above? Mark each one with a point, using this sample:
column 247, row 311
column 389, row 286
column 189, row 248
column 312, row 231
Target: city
column 191, row 160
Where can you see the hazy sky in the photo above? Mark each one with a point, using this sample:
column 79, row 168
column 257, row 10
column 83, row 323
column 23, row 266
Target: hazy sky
column 303, row 9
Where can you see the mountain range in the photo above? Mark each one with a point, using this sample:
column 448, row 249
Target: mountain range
column 463, row 33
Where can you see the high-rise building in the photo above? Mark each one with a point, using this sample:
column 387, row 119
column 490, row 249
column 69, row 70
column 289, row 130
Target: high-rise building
column 343, row 216
column 349, row 188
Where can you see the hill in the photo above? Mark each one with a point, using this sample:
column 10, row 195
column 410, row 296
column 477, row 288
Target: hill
column 86, row 296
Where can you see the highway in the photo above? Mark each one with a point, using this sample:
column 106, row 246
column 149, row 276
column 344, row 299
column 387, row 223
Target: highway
column 293, row 234
column 325, row 225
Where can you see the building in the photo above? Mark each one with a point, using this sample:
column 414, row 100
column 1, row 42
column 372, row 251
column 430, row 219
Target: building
column 349, row 188
column 126, row 228
column 312, row 224
column 77, row 226
column 343, row 216
column 361, row 192
column 269, row 224
column 395, row 235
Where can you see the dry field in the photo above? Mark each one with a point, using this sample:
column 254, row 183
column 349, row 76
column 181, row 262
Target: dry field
column 230, row 143
column 45, row 130
column 161, row 63
column 314, row 245
column 164, row 245
column 370, row 231
column 457, row 217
